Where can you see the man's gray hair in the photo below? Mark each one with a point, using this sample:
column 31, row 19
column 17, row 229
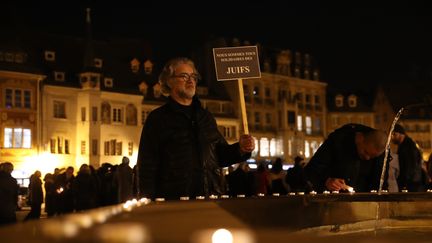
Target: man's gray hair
column 169, row 70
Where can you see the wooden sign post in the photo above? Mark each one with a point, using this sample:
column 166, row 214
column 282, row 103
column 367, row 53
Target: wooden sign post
column 237, row 63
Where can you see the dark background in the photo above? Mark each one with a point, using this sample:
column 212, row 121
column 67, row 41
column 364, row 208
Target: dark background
column 352, row 45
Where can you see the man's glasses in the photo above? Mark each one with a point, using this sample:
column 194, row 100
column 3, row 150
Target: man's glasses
column 186, row 77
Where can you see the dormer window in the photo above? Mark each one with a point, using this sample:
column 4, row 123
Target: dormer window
column 98, row 62
column 339, row 101
column 352, row 101
column 49, row 56
column 59, row 76
column 108, row 82
column 135, row 65
column 148, row 67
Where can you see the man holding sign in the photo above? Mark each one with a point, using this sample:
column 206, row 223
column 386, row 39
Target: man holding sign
column 181, row 150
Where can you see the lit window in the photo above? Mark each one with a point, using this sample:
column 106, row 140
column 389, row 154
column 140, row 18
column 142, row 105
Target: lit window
column 83, row 147
column 299, row 123
column 308, row 122
column 264, row 147
column 130, row 148
column 273, row 147
column 60, row 145
column 17, row 138
column 307, row 149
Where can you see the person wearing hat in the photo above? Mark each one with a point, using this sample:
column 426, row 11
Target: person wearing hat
column 410, row 161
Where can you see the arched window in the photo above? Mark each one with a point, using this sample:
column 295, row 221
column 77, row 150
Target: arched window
column 131, row 115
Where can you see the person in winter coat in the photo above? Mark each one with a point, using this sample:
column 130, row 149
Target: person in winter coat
column 181, row 150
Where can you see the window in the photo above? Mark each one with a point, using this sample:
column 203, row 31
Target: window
column 17, row 98
column 131, row 115
column 106, row 148
column 83, row 114
column 113, row 147
column 291, row 118
column 264, row 147
column 27, row 99
column 53, row 145
column 98, row 62
column 257, row 117
column 352, row 101
column 117, row 115
column 307, row 149
column 83, row 147
column 308, row 124
column 130, row 148
column 94, row 113
column 59, row 145
column 118, row 148
column 267, row 92
column 8, row 98
column 227, row 131
column 59, row 109
column 67, row 146
column 299, row 123
column 95, row 147
column 339, row 101
column 49, row 56
column 268, row 118
column 17, row 138
column 108, row 82
column 59, row 76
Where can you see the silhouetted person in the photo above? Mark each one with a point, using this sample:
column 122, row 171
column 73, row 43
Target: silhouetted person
column 50, row 192
column 241, row 181
column 124, row 180
column 85, row 189
column 262, row 179
column 35, row 196
column 295, row 176
column 64, row 191
column 277, row 178
column 8, row 194
column 410, row 161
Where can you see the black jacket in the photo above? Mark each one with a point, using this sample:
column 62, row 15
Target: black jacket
column 337, row 157
column 410, row 164
column 8, row 198
column 181, row 153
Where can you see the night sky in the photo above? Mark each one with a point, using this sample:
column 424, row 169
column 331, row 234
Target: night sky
column 354, row 45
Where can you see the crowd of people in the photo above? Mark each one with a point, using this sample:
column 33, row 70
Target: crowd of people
column 63, row 191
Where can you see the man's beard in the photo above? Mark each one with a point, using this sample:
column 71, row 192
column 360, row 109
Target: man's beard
column 187, row 93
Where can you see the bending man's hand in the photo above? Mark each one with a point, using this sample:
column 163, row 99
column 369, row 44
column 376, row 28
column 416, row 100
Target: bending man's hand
column 336, row 184
column 247, row 143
